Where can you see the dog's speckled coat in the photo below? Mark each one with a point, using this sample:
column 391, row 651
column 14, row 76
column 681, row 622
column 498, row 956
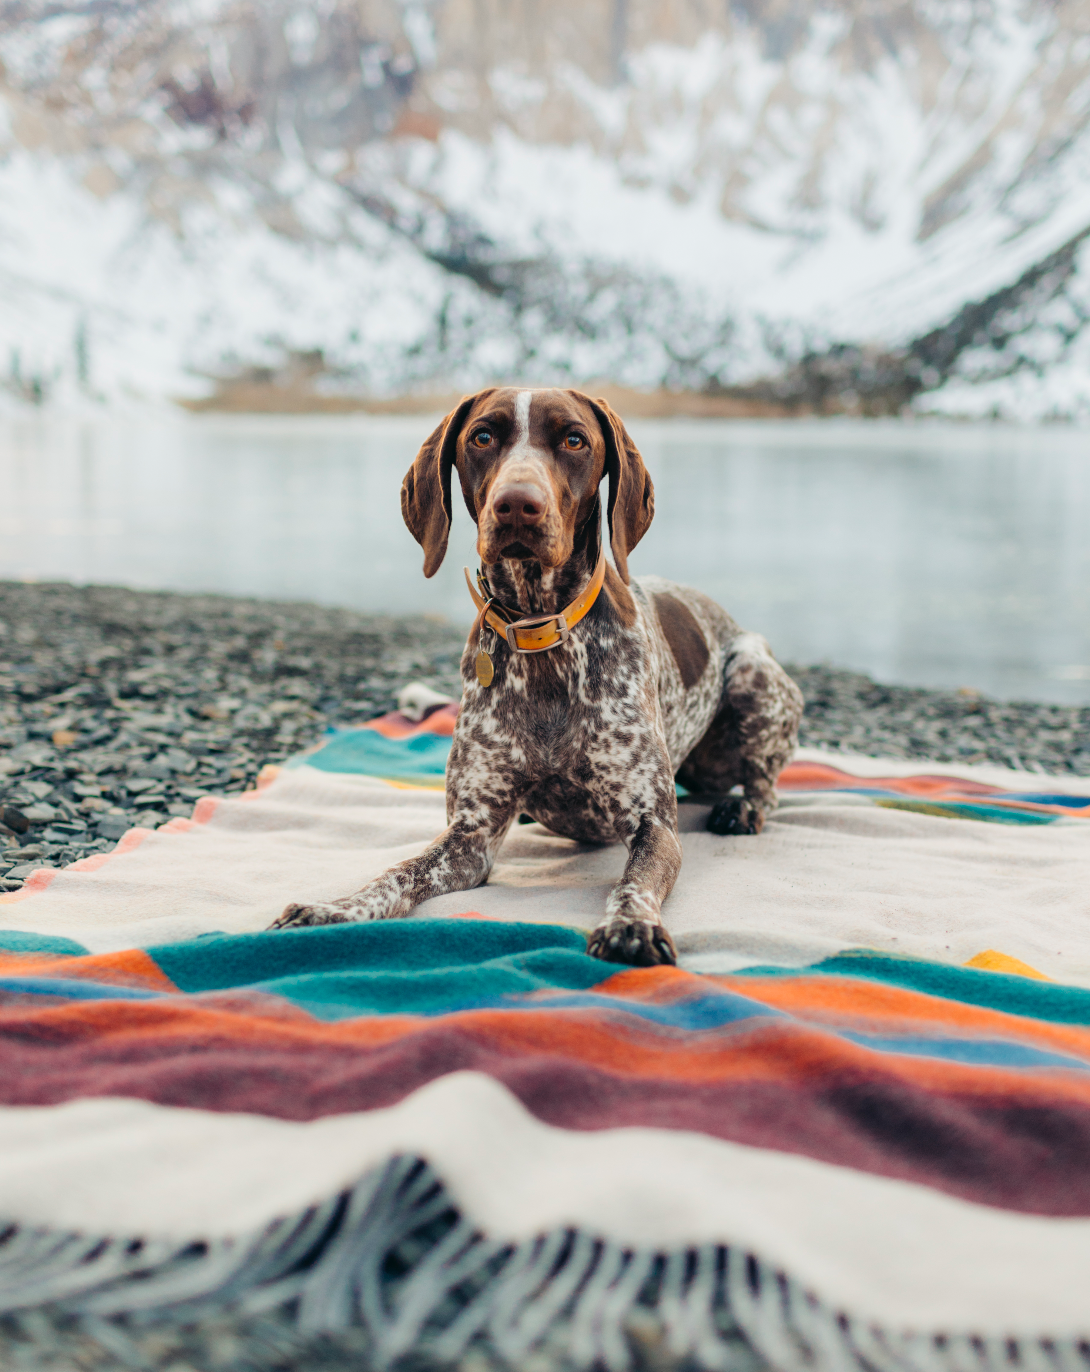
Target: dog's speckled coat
column 586, row 738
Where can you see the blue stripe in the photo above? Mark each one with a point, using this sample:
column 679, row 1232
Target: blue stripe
column 998, row 798
column 72, row 989
column 975, row 1052
column 702, row 1012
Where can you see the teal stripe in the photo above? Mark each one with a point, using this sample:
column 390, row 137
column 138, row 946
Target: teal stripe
column 1014, row 995
column 420, row 966
column 17, row 941
column 992, row 814
column 367, row 752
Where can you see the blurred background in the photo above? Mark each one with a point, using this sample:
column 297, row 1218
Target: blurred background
column 829, row 258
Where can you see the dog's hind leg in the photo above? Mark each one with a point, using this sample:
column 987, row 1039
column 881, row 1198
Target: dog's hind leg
column 750, row 740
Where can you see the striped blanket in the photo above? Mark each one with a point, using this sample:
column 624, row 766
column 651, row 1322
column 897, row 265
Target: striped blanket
column 459, row 1128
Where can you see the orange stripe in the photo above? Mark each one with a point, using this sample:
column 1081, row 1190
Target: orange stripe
column 132, row 967
column 797, row 775
column 760, row 1051
column 657, row 984
column 832, row 999
column 830, row 1002
column 829, row 996
column 283, row 1024
column 440, row 722
column 819, row 776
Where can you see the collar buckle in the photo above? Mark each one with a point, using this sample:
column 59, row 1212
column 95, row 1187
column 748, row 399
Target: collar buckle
column 497, row 615
column 537, row 622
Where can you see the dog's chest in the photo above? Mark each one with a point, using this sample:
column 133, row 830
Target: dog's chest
column 557, row 710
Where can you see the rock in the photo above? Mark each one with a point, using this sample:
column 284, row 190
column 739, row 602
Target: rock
column 138, row 784
column 33, row 754
column 14, row 819
column 40, row 813
column 59, row 836
column 217, row 778
column 178, row 761
column 24, row 869
column 99, row 763
column 112, row 826
column 157, row 770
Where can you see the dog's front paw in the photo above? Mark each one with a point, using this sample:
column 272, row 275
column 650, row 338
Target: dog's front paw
column 735, row 815
column 307, row 916
column 635, row 942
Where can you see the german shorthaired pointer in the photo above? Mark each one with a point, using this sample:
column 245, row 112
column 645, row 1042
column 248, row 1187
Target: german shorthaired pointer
column 584, row 698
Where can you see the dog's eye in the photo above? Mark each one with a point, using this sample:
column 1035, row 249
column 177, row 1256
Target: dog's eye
column 483, row 438
column 575, row 442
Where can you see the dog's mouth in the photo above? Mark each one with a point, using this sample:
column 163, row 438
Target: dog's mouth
column 516, row 551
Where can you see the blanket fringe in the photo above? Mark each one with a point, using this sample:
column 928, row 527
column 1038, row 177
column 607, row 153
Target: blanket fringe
column 394, row 1257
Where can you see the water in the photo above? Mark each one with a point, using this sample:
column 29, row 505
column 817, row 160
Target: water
column 939, row 555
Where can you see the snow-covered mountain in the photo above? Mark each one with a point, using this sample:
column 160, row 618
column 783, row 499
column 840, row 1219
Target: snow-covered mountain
column 840, row 203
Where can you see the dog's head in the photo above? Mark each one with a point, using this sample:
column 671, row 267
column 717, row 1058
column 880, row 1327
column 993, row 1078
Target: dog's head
column 530, row 463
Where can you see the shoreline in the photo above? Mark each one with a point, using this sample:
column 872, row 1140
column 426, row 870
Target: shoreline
column 245, row 396
column 121, row 708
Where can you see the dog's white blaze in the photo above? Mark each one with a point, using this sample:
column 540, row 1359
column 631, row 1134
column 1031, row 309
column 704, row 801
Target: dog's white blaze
column 522, row 419
column 527, row 460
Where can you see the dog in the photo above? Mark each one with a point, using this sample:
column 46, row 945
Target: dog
column 586, row 693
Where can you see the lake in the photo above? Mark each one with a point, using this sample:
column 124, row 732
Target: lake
column 923, row 553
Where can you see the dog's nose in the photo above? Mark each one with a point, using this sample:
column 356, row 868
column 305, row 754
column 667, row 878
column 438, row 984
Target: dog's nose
column 519, row 503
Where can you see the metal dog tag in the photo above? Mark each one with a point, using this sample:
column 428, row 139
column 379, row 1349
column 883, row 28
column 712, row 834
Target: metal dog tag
column 484, row 665
column 485, row 670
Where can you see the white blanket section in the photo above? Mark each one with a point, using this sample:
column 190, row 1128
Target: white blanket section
column 829, row 872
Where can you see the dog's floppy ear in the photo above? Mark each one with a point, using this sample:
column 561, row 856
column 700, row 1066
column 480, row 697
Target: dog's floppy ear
column 631, row 494
column 425, row 492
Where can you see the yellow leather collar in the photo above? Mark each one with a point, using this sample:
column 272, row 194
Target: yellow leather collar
column 538, row 632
